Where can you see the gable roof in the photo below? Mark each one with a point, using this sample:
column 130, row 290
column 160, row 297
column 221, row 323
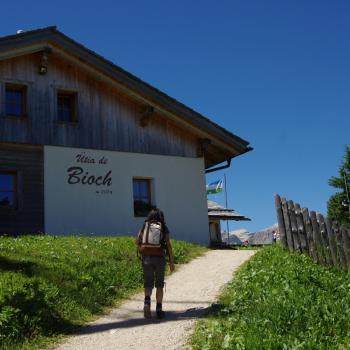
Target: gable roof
column 49, row 37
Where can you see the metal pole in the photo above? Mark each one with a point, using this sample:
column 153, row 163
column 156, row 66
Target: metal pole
column 228, row 232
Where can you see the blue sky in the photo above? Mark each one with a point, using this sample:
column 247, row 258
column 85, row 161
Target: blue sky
column 276, row 73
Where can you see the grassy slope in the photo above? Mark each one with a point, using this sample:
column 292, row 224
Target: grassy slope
column 280, row 301
column 49, row 285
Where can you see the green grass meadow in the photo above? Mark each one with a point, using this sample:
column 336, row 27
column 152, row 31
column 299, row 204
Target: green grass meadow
column 280, row 301
column 50, row 285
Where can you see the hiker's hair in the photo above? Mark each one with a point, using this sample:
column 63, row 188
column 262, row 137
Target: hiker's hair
column 156, row 215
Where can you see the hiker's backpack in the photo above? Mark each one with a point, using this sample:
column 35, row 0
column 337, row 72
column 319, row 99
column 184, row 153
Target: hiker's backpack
column 152, row 240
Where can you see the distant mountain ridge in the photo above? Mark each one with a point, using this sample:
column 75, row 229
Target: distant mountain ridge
column 243, row 236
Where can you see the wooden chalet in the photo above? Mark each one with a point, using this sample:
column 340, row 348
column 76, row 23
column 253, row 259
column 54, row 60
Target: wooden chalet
column 88, row 148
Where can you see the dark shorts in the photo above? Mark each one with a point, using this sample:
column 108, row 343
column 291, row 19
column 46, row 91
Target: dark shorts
column 153, row 271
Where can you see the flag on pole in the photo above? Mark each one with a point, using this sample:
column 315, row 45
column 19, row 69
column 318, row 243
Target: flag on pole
column 215, row 187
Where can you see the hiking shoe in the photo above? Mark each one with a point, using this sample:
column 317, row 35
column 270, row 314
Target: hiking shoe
column 160, row 313
column 147, row 310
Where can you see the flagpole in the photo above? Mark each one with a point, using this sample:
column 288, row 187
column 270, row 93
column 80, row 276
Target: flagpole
column 228, row 232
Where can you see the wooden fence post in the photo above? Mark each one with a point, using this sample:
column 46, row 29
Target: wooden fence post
column 324, row 238
column 301, row 229
column 346, row 241
column 339, row 243
column 287, row 225
column 309, row 234
column 332, row 243
column 280, row 220
column 317, row 238
column 294, row 226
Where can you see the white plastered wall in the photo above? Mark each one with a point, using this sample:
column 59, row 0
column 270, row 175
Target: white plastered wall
column 178, row 189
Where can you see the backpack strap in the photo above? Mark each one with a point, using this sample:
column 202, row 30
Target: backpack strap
column 139, row 240
column 163, row 241
column 147, row 232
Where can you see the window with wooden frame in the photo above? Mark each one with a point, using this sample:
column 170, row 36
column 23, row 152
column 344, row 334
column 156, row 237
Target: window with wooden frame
column 15, row 100
column 8, row 190
column 142, row 197
column 67, row 107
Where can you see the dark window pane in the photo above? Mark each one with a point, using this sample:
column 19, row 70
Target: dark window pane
column 142, row 191
column 65, row 107
column 10, row 109
column 6, row 199
column 17, row 109
column 142, row 198
column 18, row 97
column 68, row 115
column 7, row 190
column 14, row 102
column 67, row 102
column 7, row 182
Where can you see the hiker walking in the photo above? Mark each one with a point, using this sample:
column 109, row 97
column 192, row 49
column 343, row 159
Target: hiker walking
column 274, row 236
column 154, row 243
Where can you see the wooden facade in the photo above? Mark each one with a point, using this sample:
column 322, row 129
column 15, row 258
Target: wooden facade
column 106, row 119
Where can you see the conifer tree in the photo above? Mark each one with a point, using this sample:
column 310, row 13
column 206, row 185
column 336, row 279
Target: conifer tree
column 338, row 204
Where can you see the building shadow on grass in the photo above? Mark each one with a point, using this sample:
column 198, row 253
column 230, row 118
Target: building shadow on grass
column 170, row 316
column 25, row 267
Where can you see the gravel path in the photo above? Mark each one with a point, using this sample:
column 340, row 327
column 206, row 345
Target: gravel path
column 189, row 293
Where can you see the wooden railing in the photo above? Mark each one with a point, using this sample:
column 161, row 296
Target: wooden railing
column 307, row 232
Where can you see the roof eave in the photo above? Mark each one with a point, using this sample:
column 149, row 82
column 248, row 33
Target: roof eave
column 47, row 35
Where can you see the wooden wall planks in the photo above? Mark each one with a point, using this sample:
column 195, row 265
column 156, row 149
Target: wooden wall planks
column 106, row 119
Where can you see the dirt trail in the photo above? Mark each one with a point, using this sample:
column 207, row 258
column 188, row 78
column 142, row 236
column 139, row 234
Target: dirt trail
column 189, row 293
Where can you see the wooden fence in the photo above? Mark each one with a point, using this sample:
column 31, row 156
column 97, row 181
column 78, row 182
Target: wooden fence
column 307, row 232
